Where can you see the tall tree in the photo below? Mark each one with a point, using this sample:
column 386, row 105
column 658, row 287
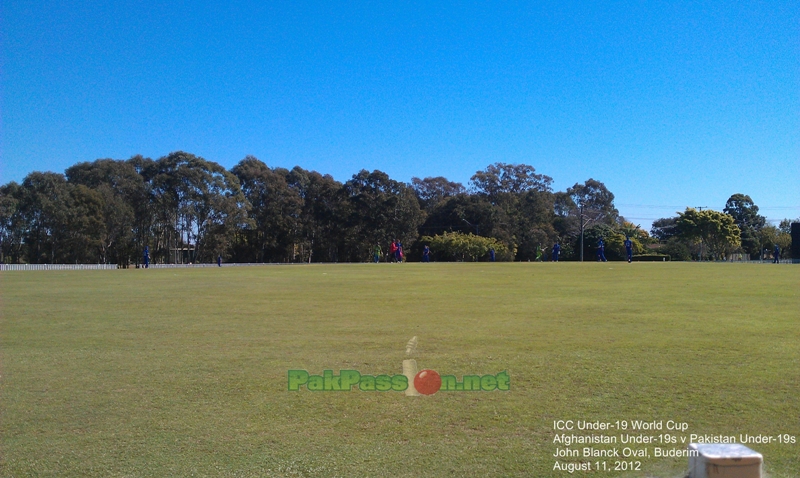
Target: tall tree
column 566, row 221
column 122, row 191
column 44, row 204
column 595, row 200
column 200, row 206
column 433, row 190
column 580, row 207
column 717, row 231
column 382, row 209
column 499, row 178
column 523, row 203
column 86, row 228
column 745, row 215
column 275, row 212
column 12, row 224
column 144, row 206
column 531, row 217
column 323, row 232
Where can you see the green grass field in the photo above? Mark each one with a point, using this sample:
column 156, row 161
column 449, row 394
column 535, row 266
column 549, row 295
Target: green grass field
column 184, row 372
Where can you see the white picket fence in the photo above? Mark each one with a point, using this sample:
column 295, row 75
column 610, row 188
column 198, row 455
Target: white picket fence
column 55, row 267
column 74, row 267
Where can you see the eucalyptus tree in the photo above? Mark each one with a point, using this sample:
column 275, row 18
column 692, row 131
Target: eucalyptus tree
column 44, row 205
column 322, row 231
column 433, row 190
column 595, row 200
column 199, row 206
column 593, row 204
column 275, row 212
column 122, row 191
column 535, row 224
column 503, row 178
column 85, row 229
column 12, row 224
column 745, row 214
column 523, row 203
column 381, row 209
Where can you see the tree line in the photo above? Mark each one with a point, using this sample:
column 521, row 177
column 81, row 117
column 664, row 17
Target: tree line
column 188, row 209
column 711, row 234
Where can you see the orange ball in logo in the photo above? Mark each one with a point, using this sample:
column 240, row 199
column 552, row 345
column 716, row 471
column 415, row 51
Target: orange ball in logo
column 427, row 382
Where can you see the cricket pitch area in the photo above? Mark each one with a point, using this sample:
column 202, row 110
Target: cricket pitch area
column 183, row 372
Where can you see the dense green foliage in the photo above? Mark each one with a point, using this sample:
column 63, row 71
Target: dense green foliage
column 187, row 209
column 716, row 231
column 745, row 215
column 715, row 235
column 457, row 246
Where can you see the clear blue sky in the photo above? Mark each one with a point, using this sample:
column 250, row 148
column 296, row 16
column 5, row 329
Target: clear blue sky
column 669, row 104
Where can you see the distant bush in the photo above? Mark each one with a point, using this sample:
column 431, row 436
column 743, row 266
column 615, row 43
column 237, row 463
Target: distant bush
column 457, row 246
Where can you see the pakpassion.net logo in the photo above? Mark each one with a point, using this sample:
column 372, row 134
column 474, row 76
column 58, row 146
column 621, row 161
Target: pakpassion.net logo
column 412, row 382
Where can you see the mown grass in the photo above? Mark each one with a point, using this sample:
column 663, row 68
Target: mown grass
column 183, row 372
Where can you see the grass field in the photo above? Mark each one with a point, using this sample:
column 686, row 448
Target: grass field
column 184, row 372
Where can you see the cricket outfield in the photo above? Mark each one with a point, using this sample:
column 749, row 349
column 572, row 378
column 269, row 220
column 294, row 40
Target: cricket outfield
column 179, row 372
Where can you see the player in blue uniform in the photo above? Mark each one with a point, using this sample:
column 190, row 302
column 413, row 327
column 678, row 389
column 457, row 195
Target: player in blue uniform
column 426, row 254
column 219, row 260
column 491, row 254
column 556, row 251
column 629, row 248
column 146, row 257
column 776, row 255
column 601, row 250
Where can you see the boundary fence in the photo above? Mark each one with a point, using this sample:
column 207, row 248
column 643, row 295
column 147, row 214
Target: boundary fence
column 75, row 267
column 55, row 267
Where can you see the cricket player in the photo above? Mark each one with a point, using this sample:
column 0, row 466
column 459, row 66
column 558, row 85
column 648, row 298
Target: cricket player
column 629, row 248
column 601, row 250
column 556, row 251
column 146, row 257
column 776, row 255
column 426, row 254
